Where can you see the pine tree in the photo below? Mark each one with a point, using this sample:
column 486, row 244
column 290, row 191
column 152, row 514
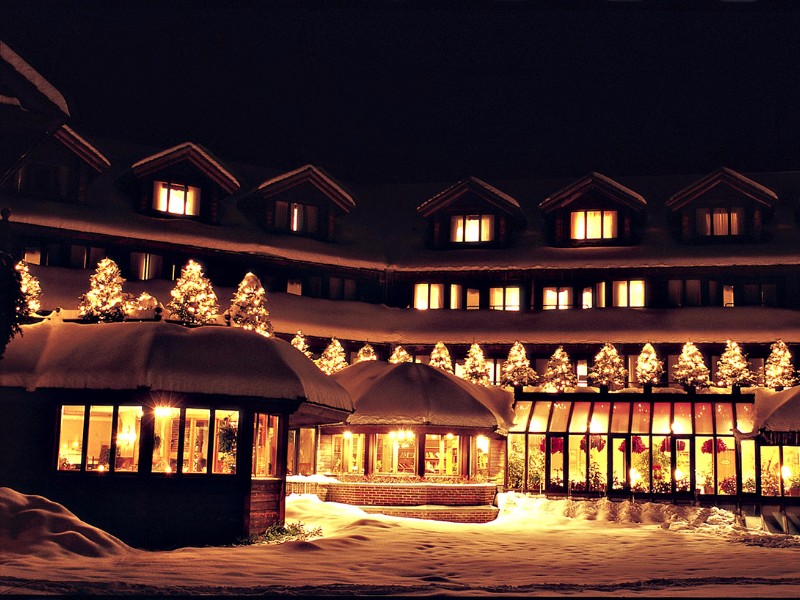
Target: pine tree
column 144, row 302
column 299, row 342
column 366, row 352
column 475, row 368
column 517, row 369
column 440, row 357
column 732, row 368
column 193, row 299
column 559, row 374
column 778, row 369
column 608, row 368
column 105, row 300
column 691, row 369
column 332, row 359
column 400, row 356
column 249, row 306
column 648, row 368
column 29, row 285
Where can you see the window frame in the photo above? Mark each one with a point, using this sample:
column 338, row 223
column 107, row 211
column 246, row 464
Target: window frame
column 707, row 225
column 187, row 188
column 579, row 220
column 487, row 224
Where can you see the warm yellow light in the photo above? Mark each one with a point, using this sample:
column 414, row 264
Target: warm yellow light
column 392, row 435
column 786, row 472
column 676, row 427
column 449, row 436
column 167, row 469
column 101, row 468
column 347, row 435
column 635, row 475
column 165, row 411
column 679, row 474
column 482, row 443
column 595, row 426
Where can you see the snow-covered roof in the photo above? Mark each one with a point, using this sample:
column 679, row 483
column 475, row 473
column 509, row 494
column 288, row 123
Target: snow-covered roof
column 33, row 77
column 198, row 156
column 724, row 176
column 488, row 192
column 418, row 394
column 77, row 144
column 776, row 411
column 316, row 177
column 167, row 357
column 607, row 186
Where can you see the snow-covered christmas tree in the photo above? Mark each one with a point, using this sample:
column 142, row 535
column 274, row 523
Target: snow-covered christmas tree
column 779, row 371
column 400, row 355
column 608, row 369
column 732, row 367
column 31, row 290
column 299, row 342
column 691, row 369
column 559, row 374
column 105, row 300
column 249, row 306
column 440, row 357
column 367, row 352
column 517, row 369
column 333, row 358
column 475, row 368
column 193, row 299
column 648, row 368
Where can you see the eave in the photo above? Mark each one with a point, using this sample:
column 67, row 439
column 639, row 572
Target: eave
column 196, row 155
column 489, row 193
column 724, row 176
column 605, row 185
column 314, row 176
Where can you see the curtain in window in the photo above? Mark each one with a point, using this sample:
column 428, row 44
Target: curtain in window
column 721, row 221
column 578, row 225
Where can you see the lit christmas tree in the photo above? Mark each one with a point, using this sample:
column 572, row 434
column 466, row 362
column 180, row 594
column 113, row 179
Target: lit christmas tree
column 144, row 302
column 193, row 299
column 648, row 368
column 691, row 370
column 400, row 355
column 778, row 369
column 31, row 290
column 299, row 342
column 517, row 369
column 332, row 359
column 559, row 374
column 249, row 306
column 367, row 352
column 105, row 300
column 608, row 368
column 475, row 368
column 440, row 357
column 732, row 368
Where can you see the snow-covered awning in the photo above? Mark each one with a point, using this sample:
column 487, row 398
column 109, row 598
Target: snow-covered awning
column 776, row 416
column 169, row 357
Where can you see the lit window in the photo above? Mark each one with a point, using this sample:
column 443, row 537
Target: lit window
column 98, row 442
column 471, row 228
column 146, row 266
column 556, row 298
column 600, row 294
column 295, row 287
column 582, row 371
column 165, row 439
column 720, row 221
column 593, row 224
column 587, row 297
column 265, row 446
column 176, row 199
column 504, row 298
column 441, row 454
column 628, row 293
column 195, row 440
column 129, row 425
column 94, row 452
column 396, row 452
column 428, row 295
column 455, row 297
column 70, row 443
column 296, row 217
column 473, row 299
column 33, row 256
column 226, row 433
column 727, row 295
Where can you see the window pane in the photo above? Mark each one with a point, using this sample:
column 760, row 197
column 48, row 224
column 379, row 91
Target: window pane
column 600, row 414
column 496, row 298
column 294, row 286
column 558, row 422
column 724, row 418
column 472, row 228
column 512, row 298
column 600, row 294
column 541, row 412
column 703, row 221
column 564, row 298
column 441, row 454
column 195, row 440
column 703, row 418
column 682, row 420
column 549, row 298
column 745, row 420
column 421, row 296
column 721, row 221
column 580, row 416
column 727, row 295
column 437, row 296
column 621, row 419
column 661, row 422
column 675, row 290
column 192, row 201
column 160, row 195
column 455, row 297
column 586, row 298
column 98, row 446
column 129, row 422
column 311, row 218
column 521, row 412
column 582, row 372
column 594, row 224
column 473, row 299
column 396, row 452
column 693, row 297
column 70, row 441
column 306, row 446
column 226, row 431
column 176, row 202
column 297, row 217
column 457, row 228
column 578, row 225
column 770, row 471
column 265, row 446
column 609, row 224
column 281, row 214
column 641, row 418
column 726, row 465
column 636, row 293
column 487, row 228
column 748, row 458
column 620, row 293
column 165, row 439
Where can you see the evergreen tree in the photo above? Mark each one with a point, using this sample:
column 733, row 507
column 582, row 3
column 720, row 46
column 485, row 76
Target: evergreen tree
column 778, row 369
column 608, row 368
column 691, row 369
column 105, row 300
column 440, row 357
column 400, row 355
column 648, row 368
column 366, row 352
column 31, row 290
column 299, row 342
column 144, row 302
column 12, row 301
column 559, row 374
column 249, row 306
column 332, row 359
column 475, row 368
column 517, row 369
column 193, row 299
column 732, row 367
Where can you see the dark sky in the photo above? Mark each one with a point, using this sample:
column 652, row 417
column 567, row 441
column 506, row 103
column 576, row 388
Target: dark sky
column 401, row 91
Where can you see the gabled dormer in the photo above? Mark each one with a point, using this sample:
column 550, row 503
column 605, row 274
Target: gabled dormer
column 60, row 168
column 183, row 181
column 304, row 202
column 723, row 206
column 471, row 214
column 594, row 211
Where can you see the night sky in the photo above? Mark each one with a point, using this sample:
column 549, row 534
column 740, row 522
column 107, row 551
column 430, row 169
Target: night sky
column 390, row 91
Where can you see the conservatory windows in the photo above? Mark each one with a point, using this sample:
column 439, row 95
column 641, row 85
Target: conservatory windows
column 129, row 425
column 441, row 454
column 195, row 440
column 428, row 296
column 70, row 443
column 471, row 228
column 556, row 298
column 301, row 449
column 88, row 438
column 226, row 429
column 176, row 198
column 265, row 446
column 165, row 439
column 593, row 224
column 396, row 453
column 720, row 221
column 504, row 298
column 628, row 293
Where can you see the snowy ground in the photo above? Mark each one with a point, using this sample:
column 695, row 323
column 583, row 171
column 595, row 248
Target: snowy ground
column 536, row 547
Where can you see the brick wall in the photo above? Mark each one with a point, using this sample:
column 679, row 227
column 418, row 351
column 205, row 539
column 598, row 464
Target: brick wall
column 398, row 494
column 453, row 514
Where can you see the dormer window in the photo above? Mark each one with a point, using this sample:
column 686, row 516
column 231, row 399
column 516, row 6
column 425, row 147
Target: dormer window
column 593, row 225
column 296, row 217
column 720, row 221
column 472, row 228
column 428, row 296
column 176, row 198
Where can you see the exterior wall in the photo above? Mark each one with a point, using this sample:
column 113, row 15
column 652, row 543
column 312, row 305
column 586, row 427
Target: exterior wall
column 399, row 494
column 466, row 514
column 266, row 507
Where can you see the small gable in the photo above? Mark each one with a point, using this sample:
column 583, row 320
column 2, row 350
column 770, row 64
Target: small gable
column 82, row 149
column 305, row 176
column 192, row 154
column 471, row 193
column 594, row 189
column 723, row 186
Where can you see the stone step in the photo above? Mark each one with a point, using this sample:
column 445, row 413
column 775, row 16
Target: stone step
column 453, row 514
